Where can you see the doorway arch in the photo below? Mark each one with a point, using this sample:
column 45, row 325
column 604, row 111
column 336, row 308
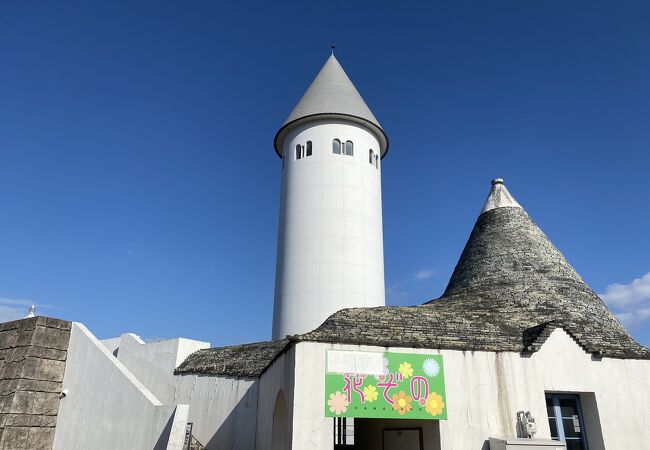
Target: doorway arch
column 279, row 429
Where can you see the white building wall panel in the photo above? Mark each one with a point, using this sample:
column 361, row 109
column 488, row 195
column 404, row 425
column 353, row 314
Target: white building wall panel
column 223, row 410
column 153, row 363
column 486, row 389
column 278, row 377
column 106, row 407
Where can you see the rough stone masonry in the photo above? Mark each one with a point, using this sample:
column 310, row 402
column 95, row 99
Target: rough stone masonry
column 33, row 355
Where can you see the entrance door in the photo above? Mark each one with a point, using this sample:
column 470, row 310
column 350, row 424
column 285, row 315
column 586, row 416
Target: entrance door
column 402, row 439
column 565, row 420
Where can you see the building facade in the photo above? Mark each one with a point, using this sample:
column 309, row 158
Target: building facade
column 518, row 352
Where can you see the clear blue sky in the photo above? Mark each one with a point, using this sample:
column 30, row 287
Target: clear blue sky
column 140, row 190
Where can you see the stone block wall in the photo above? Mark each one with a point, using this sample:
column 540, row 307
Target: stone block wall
column 33, row 355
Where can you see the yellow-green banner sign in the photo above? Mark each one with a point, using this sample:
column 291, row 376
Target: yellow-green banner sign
column 384, row 385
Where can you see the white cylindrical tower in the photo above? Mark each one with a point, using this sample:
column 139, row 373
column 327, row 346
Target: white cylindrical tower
column 330, row 241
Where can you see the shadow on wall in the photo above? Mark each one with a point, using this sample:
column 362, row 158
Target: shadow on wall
column 238, row 430
column 163, row 440
column 593, row 429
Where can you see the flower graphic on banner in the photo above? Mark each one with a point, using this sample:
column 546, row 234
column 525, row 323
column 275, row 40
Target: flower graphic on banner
column 371, row 393
column 431, row 367
column 338, row 403
column 402, row 403
column 405, row 369
column 383, row 385
column 434, row 404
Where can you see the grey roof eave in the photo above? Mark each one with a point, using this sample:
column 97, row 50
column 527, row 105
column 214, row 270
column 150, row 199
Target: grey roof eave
column 286, row 128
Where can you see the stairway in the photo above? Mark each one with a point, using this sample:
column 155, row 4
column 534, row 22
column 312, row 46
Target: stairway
column 191, row 443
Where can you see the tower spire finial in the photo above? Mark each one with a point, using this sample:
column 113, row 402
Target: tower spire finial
column 499, row 197
column 332, row 47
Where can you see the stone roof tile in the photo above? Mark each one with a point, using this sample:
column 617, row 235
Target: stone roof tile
column 247, row 360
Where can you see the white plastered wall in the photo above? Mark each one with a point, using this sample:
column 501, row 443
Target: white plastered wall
column 330, row 238
column 223, row 410
column 486, row 389
column 278, row 377
column 106, row 407
column 153, row 363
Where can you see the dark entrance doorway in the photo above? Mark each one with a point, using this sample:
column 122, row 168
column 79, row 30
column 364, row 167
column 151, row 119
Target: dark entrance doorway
column 402, row 439
column 386, row 434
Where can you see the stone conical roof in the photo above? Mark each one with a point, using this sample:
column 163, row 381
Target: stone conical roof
column 510, row 289
column 332, row 94
column 507, row 249
column 511, row 269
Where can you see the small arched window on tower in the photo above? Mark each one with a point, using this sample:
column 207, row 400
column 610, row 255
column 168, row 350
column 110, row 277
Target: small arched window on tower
column 336, row 146
column 373, row 158
column 298, row 151
column 349, row 148
column 308, row 148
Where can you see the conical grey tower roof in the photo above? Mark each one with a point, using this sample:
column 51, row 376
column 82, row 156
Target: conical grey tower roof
column 332, row 91
column 332, row 94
